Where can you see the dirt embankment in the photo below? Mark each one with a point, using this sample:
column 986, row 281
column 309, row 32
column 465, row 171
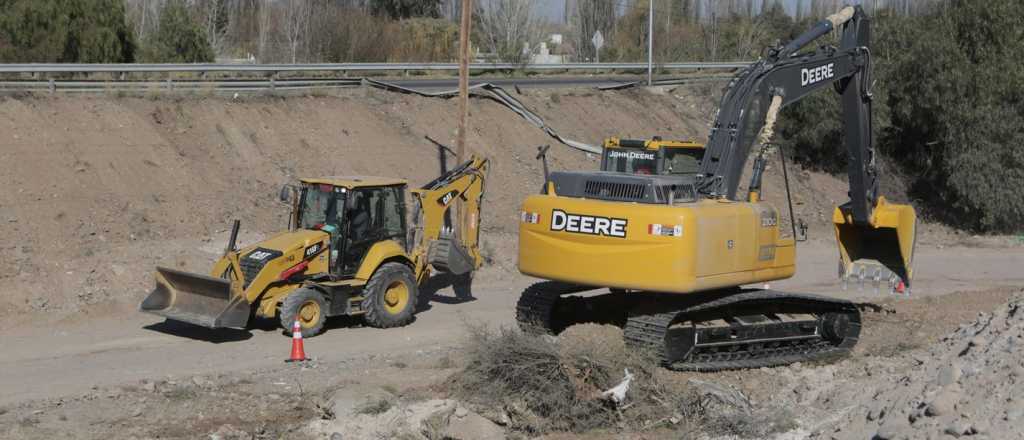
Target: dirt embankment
column 99, row 190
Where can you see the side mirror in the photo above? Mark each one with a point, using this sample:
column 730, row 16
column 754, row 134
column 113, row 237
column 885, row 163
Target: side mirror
column 286, row 194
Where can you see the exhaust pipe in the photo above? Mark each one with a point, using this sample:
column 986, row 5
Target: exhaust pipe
column 234, row 237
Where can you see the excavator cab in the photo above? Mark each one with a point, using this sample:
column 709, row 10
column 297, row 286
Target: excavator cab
column 652, row 156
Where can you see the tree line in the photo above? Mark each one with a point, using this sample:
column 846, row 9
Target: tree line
column 948, row 112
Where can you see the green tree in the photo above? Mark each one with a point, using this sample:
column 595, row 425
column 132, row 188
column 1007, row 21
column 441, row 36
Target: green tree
column 400, row 9
column 957, row 99
column 64, row 31
column 179, row 39
column 948, row 109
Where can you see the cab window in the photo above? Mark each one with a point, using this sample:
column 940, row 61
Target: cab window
column 682, row 160
column 630, row 160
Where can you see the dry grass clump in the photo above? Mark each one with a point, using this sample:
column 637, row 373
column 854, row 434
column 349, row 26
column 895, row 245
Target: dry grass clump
column 539, row 383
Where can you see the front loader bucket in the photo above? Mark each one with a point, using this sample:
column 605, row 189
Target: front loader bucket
column 879, row 255
column 196, row 299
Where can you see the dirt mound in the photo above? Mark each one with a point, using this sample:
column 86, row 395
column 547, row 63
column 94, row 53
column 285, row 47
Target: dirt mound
column 966, row 383
column 971, row 382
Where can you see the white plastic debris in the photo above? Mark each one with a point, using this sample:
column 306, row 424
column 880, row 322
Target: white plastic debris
column 617, row 394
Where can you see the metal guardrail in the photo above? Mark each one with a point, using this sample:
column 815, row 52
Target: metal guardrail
column 232, row 85
column 347, row 67
column 282, row 84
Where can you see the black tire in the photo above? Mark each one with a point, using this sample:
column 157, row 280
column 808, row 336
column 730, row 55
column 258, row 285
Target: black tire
column 296, row 301
column 383, row 311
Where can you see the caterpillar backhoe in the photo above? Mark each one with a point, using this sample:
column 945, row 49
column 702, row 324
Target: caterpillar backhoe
column 675, row 250
column 347, row 251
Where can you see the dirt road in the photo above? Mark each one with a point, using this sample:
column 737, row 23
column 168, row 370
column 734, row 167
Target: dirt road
column 124, row 346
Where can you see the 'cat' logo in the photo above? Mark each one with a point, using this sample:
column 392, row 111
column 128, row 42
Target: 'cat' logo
column 447, row 198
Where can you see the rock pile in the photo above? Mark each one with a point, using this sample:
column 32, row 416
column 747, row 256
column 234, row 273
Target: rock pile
column 971, row 383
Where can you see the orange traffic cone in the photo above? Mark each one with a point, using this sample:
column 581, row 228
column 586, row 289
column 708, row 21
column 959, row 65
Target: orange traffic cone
column 298, row 353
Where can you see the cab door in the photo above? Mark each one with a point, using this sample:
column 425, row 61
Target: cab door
column 373, row 215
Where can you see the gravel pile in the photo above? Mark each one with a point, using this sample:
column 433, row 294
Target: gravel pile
column 971, row 383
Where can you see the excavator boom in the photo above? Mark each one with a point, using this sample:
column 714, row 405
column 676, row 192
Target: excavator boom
column 875, row 237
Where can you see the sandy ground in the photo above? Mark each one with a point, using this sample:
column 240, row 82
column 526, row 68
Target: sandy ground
column 103, row 189
column 120, row 345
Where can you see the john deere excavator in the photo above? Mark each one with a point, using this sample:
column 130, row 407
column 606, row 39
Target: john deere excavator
column 347, row 251
column 674, row 251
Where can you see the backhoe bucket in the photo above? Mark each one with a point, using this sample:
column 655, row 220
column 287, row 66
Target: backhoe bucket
column 196, row 299
column 879, row 255
column 447, row 255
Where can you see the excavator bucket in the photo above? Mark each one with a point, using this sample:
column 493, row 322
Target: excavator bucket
column 878, row 255
column 196, row 299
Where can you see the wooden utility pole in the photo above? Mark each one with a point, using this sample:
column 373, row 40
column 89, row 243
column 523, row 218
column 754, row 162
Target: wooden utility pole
column 467, row 13
column 650, row 43
column 460, row 149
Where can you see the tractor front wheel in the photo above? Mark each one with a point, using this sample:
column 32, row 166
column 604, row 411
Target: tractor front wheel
column 308, row 307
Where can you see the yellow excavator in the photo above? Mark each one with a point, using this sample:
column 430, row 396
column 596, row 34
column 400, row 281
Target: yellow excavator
column 348, row 251
column 667, row 255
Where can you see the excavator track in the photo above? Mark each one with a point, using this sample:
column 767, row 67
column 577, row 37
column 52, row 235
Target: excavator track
column 542, row 307
column 750, row 329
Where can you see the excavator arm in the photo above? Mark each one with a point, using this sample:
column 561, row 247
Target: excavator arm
column 876, row 238
column 453, row 249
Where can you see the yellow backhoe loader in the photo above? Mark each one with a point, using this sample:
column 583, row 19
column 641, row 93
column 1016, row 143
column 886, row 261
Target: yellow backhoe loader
column 348, row 251
column 675, row 250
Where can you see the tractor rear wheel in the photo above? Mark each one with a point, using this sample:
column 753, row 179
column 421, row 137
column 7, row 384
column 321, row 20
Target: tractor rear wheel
column 389, row 298
column 308, row 307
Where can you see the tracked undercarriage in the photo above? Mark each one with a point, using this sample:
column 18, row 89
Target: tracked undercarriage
column 712, row 331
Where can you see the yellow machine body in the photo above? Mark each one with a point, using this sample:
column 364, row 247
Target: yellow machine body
column 880, row 251
column 679, row 248
column 258, row 278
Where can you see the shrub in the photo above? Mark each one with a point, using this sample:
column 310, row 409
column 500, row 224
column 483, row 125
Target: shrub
column 179, row 38
column 948, row 110
column 64, row 31
column 544, row 384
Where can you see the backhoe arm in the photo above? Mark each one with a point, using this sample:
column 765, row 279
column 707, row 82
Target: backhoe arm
column 455, row 249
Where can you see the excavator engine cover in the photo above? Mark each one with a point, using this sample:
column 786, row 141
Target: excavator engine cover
column 879, row 252
column 196, row 299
